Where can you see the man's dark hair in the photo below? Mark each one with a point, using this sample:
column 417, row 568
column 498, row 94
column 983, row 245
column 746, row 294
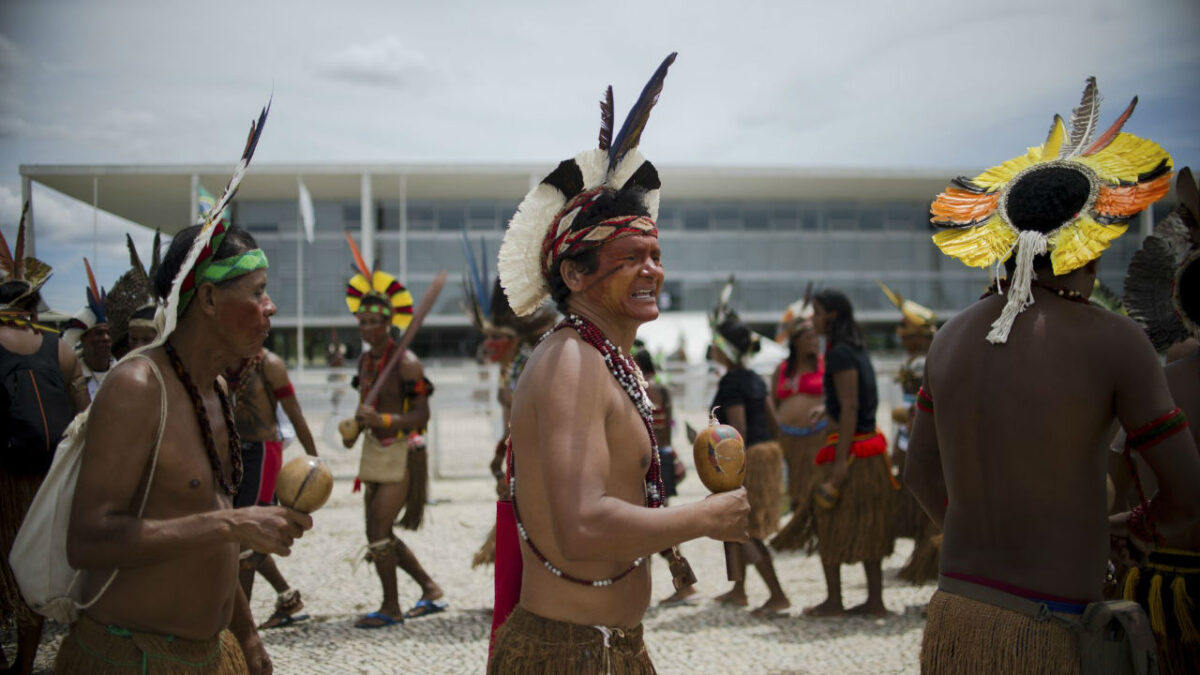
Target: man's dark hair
column 630, row 201
column 1044, row 199
column 12, row 289
column 1189, row 292
column 236, row 241
column 844, row 329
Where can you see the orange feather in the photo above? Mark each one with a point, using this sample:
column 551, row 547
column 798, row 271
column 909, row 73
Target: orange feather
column 92, row 280
column 1127, row 200
column 358, row 259
column 960, row 207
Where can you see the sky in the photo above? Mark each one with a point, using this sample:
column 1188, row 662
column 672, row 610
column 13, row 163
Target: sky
column 926, row 85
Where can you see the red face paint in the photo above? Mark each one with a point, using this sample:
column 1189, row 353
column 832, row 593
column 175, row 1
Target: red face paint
column 628, row 278
column 244, row 311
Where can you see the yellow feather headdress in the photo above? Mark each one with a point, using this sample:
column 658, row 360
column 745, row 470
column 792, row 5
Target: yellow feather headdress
column 1118, row 175
column 395, row 301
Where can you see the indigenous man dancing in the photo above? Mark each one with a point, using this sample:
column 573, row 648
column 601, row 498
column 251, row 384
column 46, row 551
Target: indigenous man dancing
column 36, row 405
column 392, row 468
column 256, row 385
column 87, row 333
column 853, row 498
column 1021, row 390
column 584, row 463
column 1162, row 293
column 742, row 402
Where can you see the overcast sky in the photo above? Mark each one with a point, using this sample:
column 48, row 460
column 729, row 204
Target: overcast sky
column 929, row 84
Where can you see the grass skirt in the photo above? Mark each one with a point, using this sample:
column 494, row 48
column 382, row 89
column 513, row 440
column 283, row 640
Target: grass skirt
column 486, row 555
column 799, row 533
column 908, row 519
column 764, row 488
column 922, row 565
column 528, row 644
column 859, row 526
column 968, row 636
column 94, row 649
column 16, row 494
column 1167, row 586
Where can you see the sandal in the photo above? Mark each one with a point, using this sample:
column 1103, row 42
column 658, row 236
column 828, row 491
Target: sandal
column 425, row 608
column 287, row 610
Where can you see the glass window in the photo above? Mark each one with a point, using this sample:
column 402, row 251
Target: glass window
column 870, row 219
column 696, row 218
column 422, row 215
column 669, row 217
column 756, row 218
column 481, row 216
column 352, row 215
column 841, row 218
column 451, row 216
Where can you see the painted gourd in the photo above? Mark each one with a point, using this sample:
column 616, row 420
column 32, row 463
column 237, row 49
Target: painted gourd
column 720, row 456
column 304, row 484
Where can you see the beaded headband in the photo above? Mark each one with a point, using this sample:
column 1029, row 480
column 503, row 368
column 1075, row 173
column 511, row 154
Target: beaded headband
column 1118, row 174
column 553, row 221
column 377, row 292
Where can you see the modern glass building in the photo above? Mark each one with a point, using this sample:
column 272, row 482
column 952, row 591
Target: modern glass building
column 776, row 229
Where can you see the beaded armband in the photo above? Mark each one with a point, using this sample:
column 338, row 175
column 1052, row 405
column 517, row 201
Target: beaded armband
column 285, row 391
column 422, row 387
column 924, row 401
column 1149, row 435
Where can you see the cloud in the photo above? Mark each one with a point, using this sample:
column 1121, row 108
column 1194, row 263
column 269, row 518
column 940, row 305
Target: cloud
column 383, row 62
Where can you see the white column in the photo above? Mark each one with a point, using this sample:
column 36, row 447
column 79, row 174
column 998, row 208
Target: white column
column 30, row 231
column 194, row 201
column 95, row 219
column 1146, row 222
column 367, row 222
column 404, row 229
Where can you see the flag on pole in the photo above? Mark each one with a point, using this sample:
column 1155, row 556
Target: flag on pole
column 205, row 201
column 306, row 209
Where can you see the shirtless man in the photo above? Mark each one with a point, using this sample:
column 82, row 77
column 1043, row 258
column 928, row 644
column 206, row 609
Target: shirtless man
column 1008, row 448
column 87, row 332
column 584, row 461
column 177, row 590
column 391, row 426
column 256, row 385
column 28, row 349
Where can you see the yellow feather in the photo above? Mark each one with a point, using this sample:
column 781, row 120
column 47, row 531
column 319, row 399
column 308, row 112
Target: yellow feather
column 1126, row 158
column 1054, row 141
column 995, row 177
column 978, row 246
column 1081, row 242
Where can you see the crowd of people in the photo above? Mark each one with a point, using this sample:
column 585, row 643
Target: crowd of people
column 1050, row 491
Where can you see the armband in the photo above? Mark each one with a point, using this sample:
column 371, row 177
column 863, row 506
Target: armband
column 1149, row 435
column 285, row 391
column 924, row 401
column 422, row 387
column 387, row 420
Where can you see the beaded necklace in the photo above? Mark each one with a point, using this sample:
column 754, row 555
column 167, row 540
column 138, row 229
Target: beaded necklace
column 235, row 443
column 1065, row 294
column 374, row 372
column 630, row 377
column 239, row 380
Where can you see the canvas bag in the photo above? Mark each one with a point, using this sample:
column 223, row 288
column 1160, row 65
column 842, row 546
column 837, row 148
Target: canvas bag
column 49, row 584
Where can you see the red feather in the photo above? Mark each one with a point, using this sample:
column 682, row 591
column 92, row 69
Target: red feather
column 19, row 252
column 1107, row 137
column 92, row 280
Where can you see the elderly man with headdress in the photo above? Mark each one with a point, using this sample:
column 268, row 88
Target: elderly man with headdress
column 36, row 405
column 393, row 468
column 1162, row 293
column 130, row 303
column 1021, row 390
column 797, row 390
column 916, row 329
column 742, row 401
column 87, row 333
column 152, row 521
column 584, row 465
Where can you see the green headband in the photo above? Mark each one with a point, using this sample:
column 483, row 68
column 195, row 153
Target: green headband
column 234, row 266
column 216, row 271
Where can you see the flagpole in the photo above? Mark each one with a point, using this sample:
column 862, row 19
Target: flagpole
column 299, row 292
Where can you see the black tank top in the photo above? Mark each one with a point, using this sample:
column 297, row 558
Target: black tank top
column 34, row 408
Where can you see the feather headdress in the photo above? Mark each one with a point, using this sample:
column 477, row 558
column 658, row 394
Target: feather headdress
column 555, row 220
column 132, row 296
column 729, row 334
column 93, row 313
column 488, row 306
column 795, row 316
column 390, row 296
column 208, row 240
column 21, row 277
column 1162, row 283
column 916, row 318
column 1069, row 197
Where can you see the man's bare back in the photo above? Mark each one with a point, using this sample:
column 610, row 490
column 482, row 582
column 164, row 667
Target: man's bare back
column 1183, row 377
column 609, row 443
column 1021, row 430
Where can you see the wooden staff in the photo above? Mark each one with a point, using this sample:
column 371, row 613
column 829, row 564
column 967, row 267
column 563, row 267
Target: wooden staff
column 350, row 428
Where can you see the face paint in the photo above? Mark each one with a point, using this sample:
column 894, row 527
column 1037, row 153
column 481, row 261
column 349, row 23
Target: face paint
column 628, row 278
